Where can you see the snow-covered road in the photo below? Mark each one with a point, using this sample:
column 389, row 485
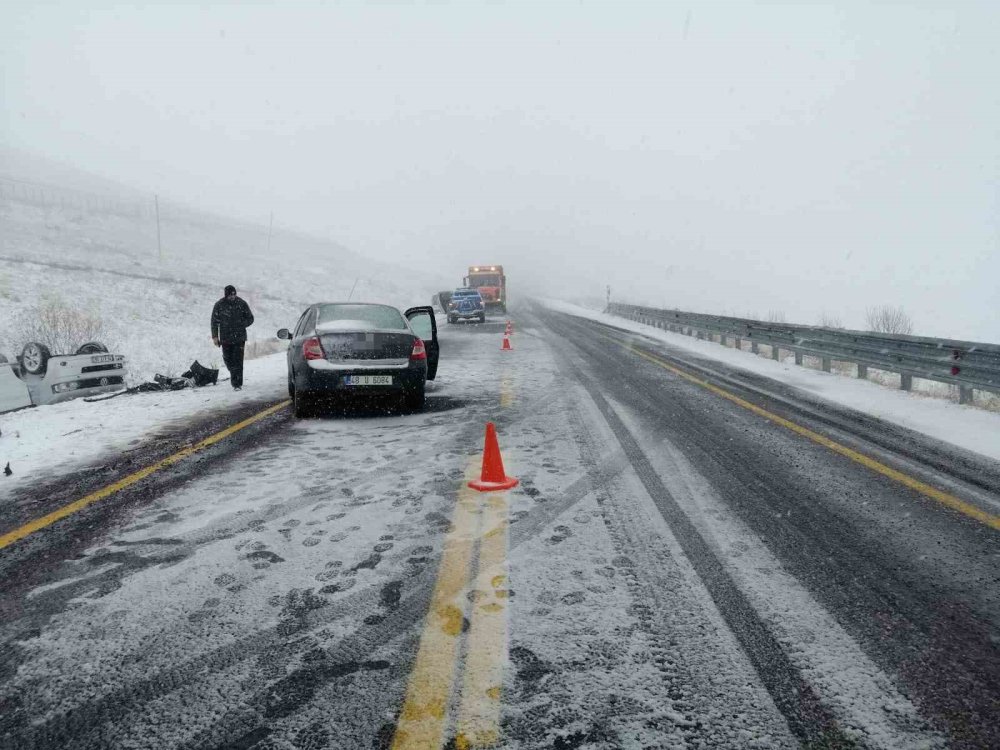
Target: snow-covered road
column 672, row 571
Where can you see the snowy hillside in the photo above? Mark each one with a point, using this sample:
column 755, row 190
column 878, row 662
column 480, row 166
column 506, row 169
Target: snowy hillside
column 95, row 250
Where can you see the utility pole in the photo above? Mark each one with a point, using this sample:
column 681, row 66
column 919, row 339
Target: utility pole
column 609, row 297
column 159, row 247
column 270, row 226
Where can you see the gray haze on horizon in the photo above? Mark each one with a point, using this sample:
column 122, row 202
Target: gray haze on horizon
column 717, row 156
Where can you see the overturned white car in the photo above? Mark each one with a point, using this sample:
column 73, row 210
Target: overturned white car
column 39, row 377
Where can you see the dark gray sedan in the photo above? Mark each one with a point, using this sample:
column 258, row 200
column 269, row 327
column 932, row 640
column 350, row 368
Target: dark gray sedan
column 352, row 348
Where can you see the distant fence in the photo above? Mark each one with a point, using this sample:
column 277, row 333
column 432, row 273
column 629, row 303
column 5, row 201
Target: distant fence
column 966, row 364
column 52, row 196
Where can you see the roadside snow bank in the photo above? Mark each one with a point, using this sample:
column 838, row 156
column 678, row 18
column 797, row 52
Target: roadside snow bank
column 965, row 426
column 51, row 440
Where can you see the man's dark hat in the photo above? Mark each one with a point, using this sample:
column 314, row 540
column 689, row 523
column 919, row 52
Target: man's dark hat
column 230, row 290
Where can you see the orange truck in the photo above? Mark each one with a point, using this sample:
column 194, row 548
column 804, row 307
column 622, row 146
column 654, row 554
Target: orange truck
column 492, row 285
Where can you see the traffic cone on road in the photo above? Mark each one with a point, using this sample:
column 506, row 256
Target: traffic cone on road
column 506, row 347
column 510, row 329
column 493, row 476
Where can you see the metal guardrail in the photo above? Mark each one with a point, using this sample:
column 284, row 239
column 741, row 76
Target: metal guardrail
column 968, row 365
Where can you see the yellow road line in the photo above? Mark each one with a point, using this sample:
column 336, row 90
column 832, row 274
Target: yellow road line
column 423, row 718
column 912, row 483
column 37, row 525
column 479, row 713
column 506, row 392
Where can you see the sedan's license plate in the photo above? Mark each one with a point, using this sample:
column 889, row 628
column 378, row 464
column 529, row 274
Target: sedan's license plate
column 368, row 380
column 103, row 358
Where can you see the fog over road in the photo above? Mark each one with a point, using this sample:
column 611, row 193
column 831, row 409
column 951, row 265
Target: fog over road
column 685, row 563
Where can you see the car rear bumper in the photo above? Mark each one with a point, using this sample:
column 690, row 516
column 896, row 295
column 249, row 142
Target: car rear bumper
column 466, row 315
column 330, row 382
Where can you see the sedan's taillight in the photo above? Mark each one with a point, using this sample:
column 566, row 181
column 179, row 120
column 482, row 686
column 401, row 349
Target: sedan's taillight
column 312, row 349
column 419, row 352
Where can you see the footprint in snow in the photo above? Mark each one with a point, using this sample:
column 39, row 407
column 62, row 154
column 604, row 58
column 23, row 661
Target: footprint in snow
column 336, row 588
column 561, row 533
column 265, row 556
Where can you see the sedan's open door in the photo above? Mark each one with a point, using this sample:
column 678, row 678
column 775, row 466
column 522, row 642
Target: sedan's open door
column 423, row 323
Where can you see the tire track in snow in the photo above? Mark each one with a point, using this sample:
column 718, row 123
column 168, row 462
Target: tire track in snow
column 697, row 674
column 809, row 720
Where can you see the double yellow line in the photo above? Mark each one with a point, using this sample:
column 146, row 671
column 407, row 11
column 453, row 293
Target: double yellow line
column 478, row 520
column 929, row 491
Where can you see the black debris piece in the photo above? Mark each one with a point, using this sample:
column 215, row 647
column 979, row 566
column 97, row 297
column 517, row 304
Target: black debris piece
column 196, row 376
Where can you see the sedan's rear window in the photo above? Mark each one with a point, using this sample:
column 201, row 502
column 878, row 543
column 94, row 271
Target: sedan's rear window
column 360, row 318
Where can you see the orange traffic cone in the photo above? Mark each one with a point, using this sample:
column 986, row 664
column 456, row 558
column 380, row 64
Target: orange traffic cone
column 506, row 347
column 510, row 328
column 493, row 477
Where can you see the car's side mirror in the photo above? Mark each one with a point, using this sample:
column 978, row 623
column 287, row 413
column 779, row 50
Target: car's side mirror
column 284, row 333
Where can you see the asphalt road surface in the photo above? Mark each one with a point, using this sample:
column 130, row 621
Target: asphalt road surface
column 695, row 557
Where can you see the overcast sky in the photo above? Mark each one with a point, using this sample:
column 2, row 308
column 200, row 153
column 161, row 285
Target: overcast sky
column 732, row 157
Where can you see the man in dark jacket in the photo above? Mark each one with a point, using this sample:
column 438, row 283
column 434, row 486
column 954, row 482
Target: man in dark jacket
column 230, row 318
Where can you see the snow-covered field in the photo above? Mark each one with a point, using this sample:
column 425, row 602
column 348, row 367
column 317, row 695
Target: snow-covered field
column 965, row 426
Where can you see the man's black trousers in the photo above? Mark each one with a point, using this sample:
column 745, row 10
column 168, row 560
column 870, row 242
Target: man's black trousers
column 232, row 355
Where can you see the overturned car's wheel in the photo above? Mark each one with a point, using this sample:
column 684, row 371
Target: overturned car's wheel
column 92, row 347
column 35, row 358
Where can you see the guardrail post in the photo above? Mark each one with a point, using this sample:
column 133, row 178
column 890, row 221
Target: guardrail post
column 862, row 370
column 798, row 358
column 755, row 347
column 738, row 344
column 722, row 339
column 965, row 394
column 906, row 382
column 825, row 363
column 775, row 352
